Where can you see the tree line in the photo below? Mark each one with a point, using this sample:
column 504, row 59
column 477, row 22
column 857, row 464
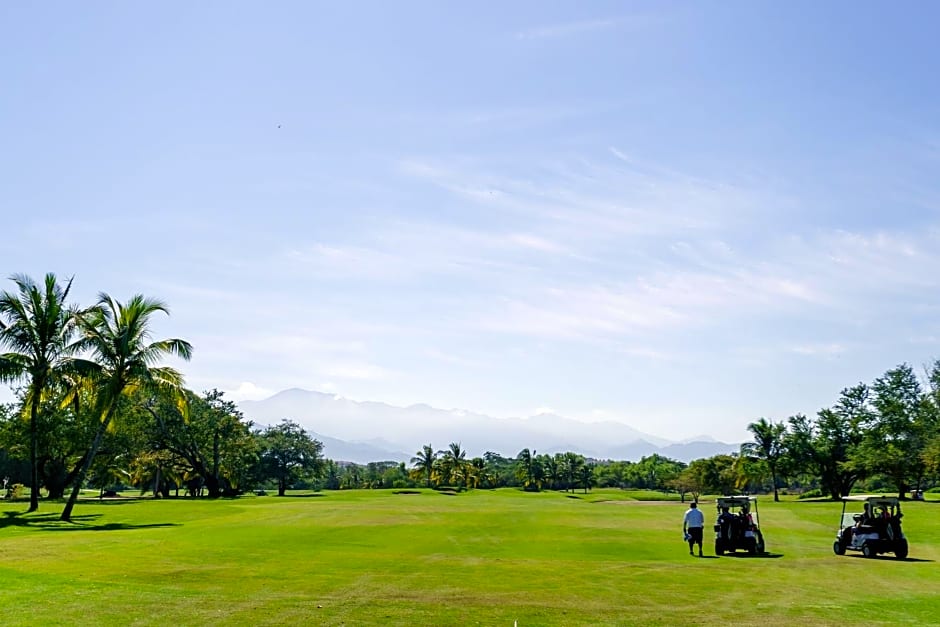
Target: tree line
column 96, row 408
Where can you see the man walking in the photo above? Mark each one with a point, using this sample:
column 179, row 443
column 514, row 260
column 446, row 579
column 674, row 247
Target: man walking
column 692, row 527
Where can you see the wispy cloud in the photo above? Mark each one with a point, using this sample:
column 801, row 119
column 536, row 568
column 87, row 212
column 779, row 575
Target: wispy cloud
column 595, row 198
column 814, row 350
column 246, row 390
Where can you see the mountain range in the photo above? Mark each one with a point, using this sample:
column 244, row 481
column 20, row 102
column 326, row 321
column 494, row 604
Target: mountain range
column 369, row 431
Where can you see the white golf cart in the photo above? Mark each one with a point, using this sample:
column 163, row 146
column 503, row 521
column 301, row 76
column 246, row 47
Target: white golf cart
column 874, row 530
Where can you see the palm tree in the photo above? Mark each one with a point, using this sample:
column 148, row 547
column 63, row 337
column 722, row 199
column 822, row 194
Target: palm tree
column 552, row 466
column 121, row 359
column 768, row 445
column 476, row 470
column 529, row 470
column 571, row 465
column 586, row 477
column 424, row 462
column 38, row 327
column 455, row 461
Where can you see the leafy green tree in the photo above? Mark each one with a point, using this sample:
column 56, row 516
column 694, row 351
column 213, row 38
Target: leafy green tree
column 927, row 427
column 423, row 462
column 613, row 474
column 289, row 453
column 157, row 471
column 332, row 475
column 767, row 446
column 930, row 457
column 499, row 470
column 688, row 481
column 386, row 474
column 14, row 456
column 654, row 471
column 122, row 360
column 351, row 476
column 893, row 442
column 211, row 437
column 62, row 446
column 839, row 434
column 715, row 474
column 37, row 326
column 750, row 473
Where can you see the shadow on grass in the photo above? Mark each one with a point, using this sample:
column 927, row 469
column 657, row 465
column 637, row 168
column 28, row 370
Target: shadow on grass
column 121, row 500
column 22, row 519
column 78, row 526
column 756, row 556
column 303, row 496
column 81, row 522
column 888, row 558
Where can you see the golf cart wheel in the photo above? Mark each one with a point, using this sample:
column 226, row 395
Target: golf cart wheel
column 900, row 550
column 719, row 549
column 752, row 547
column 838, row 548
column 761, row 549
column 867, row 551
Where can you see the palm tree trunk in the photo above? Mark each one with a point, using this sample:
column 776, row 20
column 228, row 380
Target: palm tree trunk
column 83, row 473
column 34, row 453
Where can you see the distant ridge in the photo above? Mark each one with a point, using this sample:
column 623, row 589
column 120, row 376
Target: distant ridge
column 365, row 431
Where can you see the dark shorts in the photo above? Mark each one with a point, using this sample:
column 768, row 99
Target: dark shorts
column 695, row 534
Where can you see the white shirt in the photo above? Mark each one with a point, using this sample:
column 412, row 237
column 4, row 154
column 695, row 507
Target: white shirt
column 694, row 518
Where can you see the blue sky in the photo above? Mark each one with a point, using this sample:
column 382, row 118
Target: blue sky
column 682, row 216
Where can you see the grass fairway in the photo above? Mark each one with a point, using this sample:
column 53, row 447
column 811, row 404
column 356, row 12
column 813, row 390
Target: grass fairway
column 483, row 557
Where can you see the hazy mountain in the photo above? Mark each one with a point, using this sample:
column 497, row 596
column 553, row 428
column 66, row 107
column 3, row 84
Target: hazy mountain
column 359, row 452
column 371, row 431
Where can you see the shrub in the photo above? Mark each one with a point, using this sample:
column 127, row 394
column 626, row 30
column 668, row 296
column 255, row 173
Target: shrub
column 812, row 494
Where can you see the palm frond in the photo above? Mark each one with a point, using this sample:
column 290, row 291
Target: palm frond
column 13, row 366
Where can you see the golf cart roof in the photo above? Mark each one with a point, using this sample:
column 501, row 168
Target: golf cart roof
column 874, row 499
column 738, row 500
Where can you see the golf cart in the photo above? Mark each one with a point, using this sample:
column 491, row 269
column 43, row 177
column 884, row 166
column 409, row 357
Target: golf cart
column 738, row 527
column 877, row 529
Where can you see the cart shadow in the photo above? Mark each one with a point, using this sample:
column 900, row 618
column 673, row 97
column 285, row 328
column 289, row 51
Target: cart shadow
column 758, row 556
column 888, row 558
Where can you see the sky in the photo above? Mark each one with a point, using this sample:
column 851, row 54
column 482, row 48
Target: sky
column 683, row 216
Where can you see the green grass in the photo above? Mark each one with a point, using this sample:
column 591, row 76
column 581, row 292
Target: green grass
column 481, row 557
